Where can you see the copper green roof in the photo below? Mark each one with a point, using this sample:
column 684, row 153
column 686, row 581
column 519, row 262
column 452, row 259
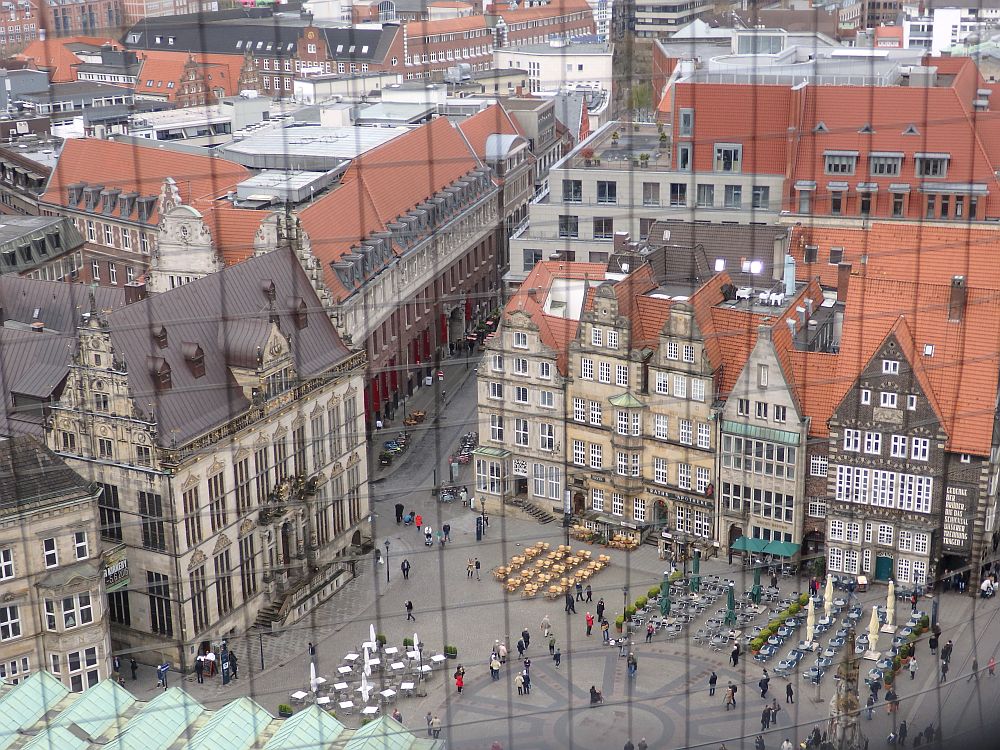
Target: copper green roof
column 233, row 727
column 22, row 706
column 626, row 401
column 311, row 727
column 160, row 722
column 98, row 709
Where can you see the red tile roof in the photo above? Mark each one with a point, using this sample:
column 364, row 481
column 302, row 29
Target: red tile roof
column 233, row 230
column 139, row 169
column 444, row 26
column 555, row 332
column 494, row 120
column 53, row 56
column 381, row 186
column 553, row 9
column 159, row 68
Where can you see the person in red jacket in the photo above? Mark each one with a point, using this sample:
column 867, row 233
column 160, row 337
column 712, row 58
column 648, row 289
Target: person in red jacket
column 590, row 623
column 418, row 521
column 459, row 682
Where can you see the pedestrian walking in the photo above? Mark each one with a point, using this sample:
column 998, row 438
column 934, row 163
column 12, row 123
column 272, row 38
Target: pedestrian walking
column 590, row 623
column 527, row 682
column 633, row 664
column 735, row 689
column 789, row 693
column 233, row 664
column 787, row 744
column 918, row 740
column 944, row 671
column 606, row 631
column 526, row 636
column 199, row 668
column 765, row 718
column 590, row 594
column 399, row 513
column 870, row 705
column 975, row 670
column 479, row 566
column 758, row 743
column 459, row 682
column 932, row 642
column 579, row 591
column 470, row 568
column 519, row 683
column 552, row 645
column 397, row 715
column 629, row 745
column 763, row 685
column 435, row 727
column 774, row 711
column 446, row 528
column 161, row 674
column 570, row 603
column 546, row 627
column 913, row 667
column 134, row 666
column 946, row 652
column 730, row 700
column 210, row 660
column 557, row 656
column 116, row 665
column 405, row 567
column 600, row 608
column 650, row 629
column 428, row 719
column 312, row 652
column 642, row 745
column 712, row 680
column 502, row 652
column 527, row 667
column 495, row 667
column 409, row 611
column 903, row 730
column 734, row 657
column 991, row 665
column 418, row 521
column 520, row 648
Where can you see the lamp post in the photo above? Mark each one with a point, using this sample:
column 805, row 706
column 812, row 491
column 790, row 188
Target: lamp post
column 482, row 505
column 387, row 561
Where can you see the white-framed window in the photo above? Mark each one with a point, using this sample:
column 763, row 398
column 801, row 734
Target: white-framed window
column 898, row 446
column 113, row 274
column 80, row 546
column 761, row 409
column 496, row 390
column 579, row 453
column 866, row 560
column 538, row 474
column 596, row 336
column 497, row 365
column 702, row 478
column 685, row 431
column 604, row 372
column 704, row 435
column 520, row 366
column 639, row 510
column 51, row 552
column 661, row 425
column 684, row 476
column 546, row 436
column 672, row 350
column 660, row 471
column 885, row 534
column 496, row 428
column 688, row 353
column 521, row 432
column 520, row 394
column 921, row 543
column 835, row 559
column 697, row 389
column 887, row 399
column 919, row 571
column 743, row 407
column 837, row 530
column 890, row 367
column 852, row 440
column 636, row 423
column 621, row 463
column 587, row 368
column 883, row 488
column 10, row 623
column 780, row 413
column 520, row 340
column 850, row 561
column 866, row 397
column 621, row 376
column 621, row 422
column 6, row 563
column 920, row 448
column 911, row 402
column 680, row 386
column 596, row 456
column 597, row 499
column 663, row 383
column 853, row 532
column 579, row 410
column 95, row 270
column 903, row 570
column 596, row 415
column 545, row 370
column 818, row 466
column 617, row 504
column 873, row 443
column 109, row 235
column 905, row 540
column 636, row 466
column 77, row 611
column 612, row 339
column 762, row 376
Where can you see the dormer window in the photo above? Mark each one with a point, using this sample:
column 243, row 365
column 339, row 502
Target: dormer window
column 159, row 372
column 159, row 335
column 299, row 311
column 91, row 196
column 267, row 287
column 75, row 193
column 195, row 358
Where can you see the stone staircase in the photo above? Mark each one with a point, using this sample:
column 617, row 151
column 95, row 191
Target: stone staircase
column 539, row 514
column 268, row 615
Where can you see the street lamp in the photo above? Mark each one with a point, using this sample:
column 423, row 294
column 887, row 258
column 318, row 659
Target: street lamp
column 482, row 504
column 387, row 561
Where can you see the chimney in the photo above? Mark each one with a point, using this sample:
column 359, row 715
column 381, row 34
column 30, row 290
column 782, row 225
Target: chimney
column 791, row 326
column 789, row 278
column 843, row 281
column 809, row 307
column 38, row 327
column 135, row 291
column 533, row 294
column 802, row 316
column 956, row 301
column 621, row 240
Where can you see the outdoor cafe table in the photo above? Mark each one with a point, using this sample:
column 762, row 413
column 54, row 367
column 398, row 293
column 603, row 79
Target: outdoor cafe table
column 388, row 693
column 438, row 658
column 299, row 695
column 341, row 686
column 351, row 657
column 346, row 705
column 390, row 651
column 344, row 670
column 369, row 710
column 374, row 662
column 396, row 666
column 406, row 687
column 322, row 701
column 412, row 654
column 426, row 669
column 320, row 680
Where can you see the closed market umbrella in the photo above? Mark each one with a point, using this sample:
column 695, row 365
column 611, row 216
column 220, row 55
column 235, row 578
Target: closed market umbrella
column 810, row 619
column 665, row 602
column 756, row 592
column 828, row 597
column 313, row 680
column 365, row 689
column 730, row 606
column 371, row 633
column 890, row 604
column 695, row 570
column 873, row 630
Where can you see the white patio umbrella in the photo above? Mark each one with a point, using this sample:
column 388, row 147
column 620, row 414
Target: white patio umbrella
column 368, row 668
column 828, row 597
column 416, row 642
column 873, row 630
column 890, row 604
column 313, row 680
column 365, row 689
column 371, row 633
column 810, row 619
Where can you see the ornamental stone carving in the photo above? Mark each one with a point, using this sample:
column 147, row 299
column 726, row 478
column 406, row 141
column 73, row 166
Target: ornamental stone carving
column 222, row 544
column 196, row 559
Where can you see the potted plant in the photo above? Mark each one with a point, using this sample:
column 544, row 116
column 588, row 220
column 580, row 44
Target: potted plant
column 641, row 602
column 284, row 710
column 663, row 137
column 644, row 159
column 588, row 155
column 804, row 600
column 629, row 612
column 654, row 591
column 408, row 643
column 619, row 623
column 451, row 652
column 380, row 639
column 756, row 644
column 614, row 138
column 794, row 609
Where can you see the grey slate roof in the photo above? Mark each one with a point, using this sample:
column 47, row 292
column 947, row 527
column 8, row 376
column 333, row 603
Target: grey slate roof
column 227, row 314
column 30, row 473
column 59, row 305
column 29, row 241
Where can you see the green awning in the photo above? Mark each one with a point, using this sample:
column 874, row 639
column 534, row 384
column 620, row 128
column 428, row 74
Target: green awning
column 746, row 544
column 781, row 549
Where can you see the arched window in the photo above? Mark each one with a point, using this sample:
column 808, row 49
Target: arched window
column 386, row 11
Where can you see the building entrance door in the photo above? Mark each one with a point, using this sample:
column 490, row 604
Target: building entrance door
column 883, row 568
